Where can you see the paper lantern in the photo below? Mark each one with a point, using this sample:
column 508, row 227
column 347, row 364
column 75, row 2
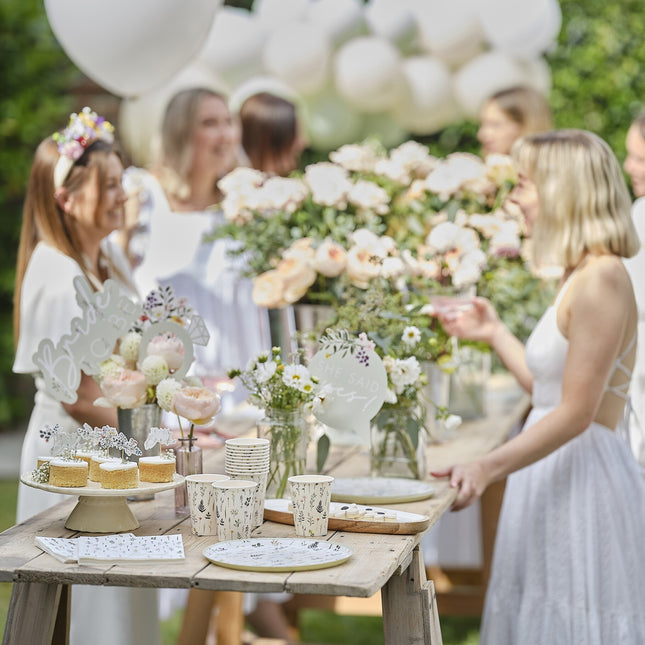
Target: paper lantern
column 451, row 30
column 483, row 76
column 330, row 122
column 140, row 117
column 367, row 73
column 299, row 53
column 340, row 19
column 234, row 45
column 131, row 47
column 392, row 21
column 430, row 104
column 522, row 28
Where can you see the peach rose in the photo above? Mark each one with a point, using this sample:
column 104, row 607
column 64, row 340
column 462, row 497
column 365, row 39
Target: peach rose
column 128, row 390
column 362, row 266
column 268, row 290
column 169, row 347
column 331, row 259
column 197, row 404
column 297, row 277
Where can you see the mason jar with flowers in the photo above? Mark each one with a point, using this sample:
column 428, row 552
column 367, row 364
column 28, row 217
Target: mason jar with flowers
column 286, row 392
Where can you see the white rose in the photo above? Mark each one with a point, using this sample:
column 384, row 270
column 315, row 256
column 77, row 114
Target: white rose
column 369, row 196
column 458, row 168
column 297, row 277
column 414, row 157
column 329, row 184
column 330, row 259
column 355, row 157
column 393, row 170
column 466, row 274
column 302, row 250
column 392, row 267
column 241, row 178
column 362, row 266
column 443, row 237
column 282, row 193
column 365, row 238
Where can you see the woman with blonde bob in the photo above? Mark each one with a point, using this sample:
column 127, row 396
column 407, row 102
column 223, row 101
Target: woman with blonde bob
column 568, row 564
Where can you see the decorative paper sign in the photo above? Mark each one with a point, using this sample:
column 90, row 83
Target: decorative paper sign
column 356, row 382
column 107, row 315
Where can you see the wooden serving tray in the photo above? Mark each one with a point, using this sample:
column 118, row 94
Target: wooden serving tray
column 276, row 510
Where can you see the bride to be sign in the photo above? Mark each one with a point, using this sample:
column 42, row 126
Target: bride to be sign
column 355, row 381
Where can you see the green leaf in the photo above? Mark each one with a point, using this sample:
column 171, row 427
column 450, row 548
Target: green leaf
column 322, row 451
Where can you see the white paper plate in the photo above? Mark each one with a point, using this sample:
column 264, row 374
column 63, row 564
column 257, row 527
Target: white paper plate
column 277, row 554
column 380, row 490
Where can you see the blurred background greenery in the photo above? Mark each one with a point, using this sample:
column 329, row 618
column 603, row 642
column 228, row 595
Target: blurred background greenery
column 598, row 85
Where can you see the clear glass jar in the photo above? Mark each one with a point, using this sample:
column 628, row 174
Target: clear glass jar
column 189, row 462
column 397, row 443
column 288, row 433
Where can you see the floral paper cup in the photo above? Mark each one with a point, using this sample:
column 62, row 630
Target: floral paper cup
column 261, row 479
column 234, row 508
column 201, row 502
column 310, row 496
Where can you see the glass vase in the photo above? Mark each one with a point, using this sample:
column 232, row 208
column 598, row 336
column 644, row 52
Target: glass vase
column 189, row 462
column 397, row 443
column 288, row 434
column 469, row 382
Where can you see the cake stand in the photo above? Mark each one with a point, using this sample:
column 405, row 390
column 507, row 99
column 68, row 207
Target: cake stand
column 102, row 510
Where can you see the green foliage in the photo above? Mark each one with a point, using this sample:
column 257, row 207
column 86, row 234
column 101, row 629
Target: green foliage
column 36, row 74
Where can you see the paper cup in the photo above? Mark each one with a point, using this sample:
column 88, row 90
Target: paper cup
column 201, row 502
column 234, row 507
column 310, row 496
column 260, row 492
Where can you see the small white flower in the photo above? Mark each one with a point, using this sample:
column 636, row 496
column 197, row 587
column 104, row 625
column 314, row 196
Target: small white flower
column 411, row 336
column 452, row 422
column 264, row 371
column 166, row 391
column 296, row 376
column 129, row 346
column 155, row 369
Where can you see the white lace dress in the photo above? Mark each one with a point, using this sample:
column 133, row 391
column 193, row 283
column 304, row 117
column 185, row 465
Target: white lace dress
column 569, row 561
column 99, row 615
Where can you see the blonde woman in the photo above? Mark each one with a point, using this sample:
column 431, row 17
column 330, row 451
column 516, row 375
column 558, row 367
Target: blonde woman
column 510, row 114
column 568, row 564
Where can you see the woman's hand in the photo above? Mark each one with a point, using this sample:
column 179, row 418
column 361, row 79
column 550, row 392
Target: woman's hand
column 470, row 480
column 477, row 322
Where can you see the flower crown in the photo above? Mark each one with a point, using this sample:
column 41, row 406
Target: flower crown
column 83, row 130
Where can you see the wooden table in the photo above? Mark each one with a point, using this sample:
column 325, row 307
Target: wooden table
column 390, row 563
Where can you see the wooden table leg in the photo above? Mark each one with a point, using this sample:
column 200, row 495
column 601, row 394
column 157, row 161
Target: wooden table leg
column 410, row 615
column 197, row 616
column 32, row 613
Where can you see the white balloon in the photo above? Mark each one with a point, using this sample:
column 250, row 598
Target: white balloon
column 140, row 118
column 259, row 84
column 274, row 13
column 538, row 74
column 385, row 128
column 524, row 29
column 367, row 73
column 130, row 46
column 330, row 122
column 341, row 19
column 392, row 21
column 299, row 54
column 451, row 30
column 483, row 76
column 234, row 45
column 430, row 105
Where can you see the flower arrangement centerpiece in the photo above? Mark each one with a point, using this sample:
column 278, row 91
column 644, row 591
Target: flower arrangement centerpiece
column 405, row 338
column 286, row 391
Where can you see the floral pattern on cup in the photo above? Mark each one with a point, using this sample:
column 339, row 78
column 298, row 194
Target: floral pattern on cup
column 260, row 493
column 310, row 496
column 234, row 508
column 201, row 502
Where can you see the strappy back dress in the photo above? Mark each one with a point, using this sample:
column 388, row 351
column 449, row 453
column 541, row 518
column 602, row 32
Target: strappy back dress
column 569, row 560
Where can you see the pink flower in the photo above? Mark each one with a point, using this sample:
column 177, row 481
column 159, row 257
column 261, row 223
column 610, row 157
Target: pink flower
column 197, row 404
column 128, row 390
column 331, row 259
column 170, row 348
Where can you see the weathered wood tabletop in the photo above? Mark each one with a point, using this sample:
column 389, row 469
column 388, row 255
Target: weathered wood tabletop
column 391, row 563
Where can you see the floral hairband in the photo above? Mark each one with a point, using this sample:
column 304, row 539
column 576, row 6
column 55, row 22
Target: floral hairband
column 83, row 129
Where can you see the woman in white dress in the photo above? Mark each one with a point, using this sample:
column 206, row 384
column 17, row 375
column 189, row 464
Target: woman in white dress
column 74, row 201
column 568, row 564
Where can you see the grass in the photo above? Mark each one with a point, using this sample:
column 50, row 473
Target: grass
column 316, row 626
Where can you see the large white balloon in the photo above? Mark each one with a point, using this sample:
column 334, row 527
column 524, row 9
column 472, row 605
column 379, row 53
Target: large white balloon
column 274, row 13
column 367, row 72
column 430, row 104
column 451, row 30
column 522, row 28
column 393, row 21
column 538, row 74
column 130, row 46
column 330, row 122
column 259, row 84
column 234, row 45
column 385, row 128
column 140, row 118
column 483, row 76
column 299, row 54
column 341, row 19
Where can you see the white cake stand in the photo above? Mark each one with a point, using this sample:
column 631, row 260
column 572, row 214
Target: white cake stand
column 102, row 510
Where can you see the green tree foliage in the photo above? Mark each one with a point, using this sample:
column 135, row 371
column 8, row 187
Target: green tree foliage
column 36, row 77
